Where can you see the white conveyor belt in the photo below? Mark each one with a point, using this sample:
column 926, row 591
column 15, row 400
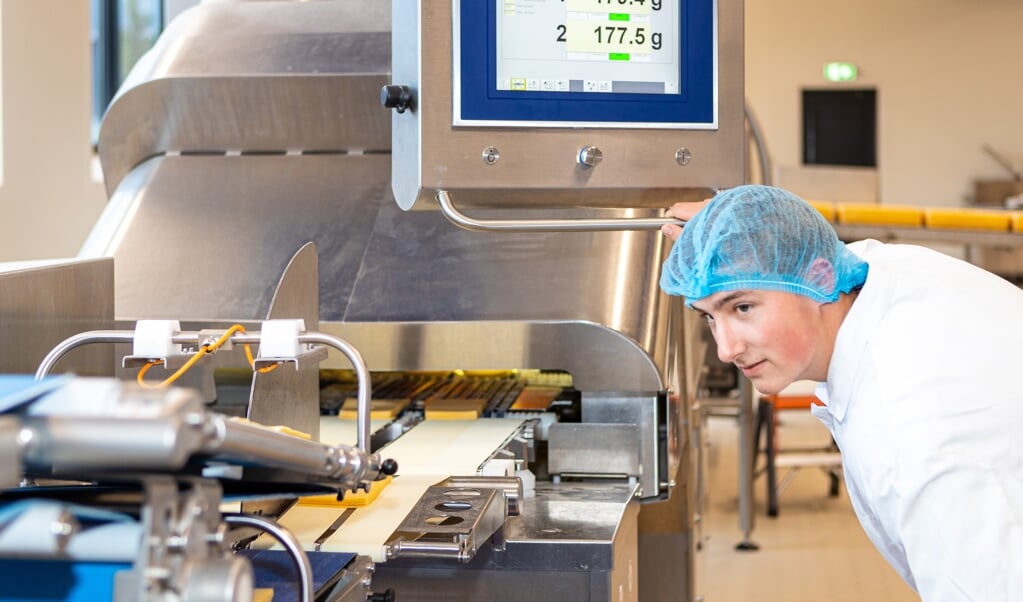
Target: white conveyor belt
column 430, row 452
column 337, row 431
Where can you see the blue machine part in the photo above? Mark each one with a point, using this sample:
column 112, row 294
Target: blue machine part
column 275, row 569
column 16, row 390
column 24, row 580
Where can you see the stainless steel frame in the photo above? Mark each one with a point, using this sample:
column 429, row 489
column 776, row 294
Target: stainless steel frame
column 224, row 161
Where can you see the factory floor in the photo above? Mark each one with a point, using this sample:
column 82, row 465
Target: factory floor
column 813, row 550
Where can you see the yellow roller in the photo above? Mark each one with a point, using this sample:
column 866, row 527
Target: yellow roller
column 879, row 215
column 280, row 428
column 967, row 219
column 536, row 398
column 454, row 409
column 826, row 208
column 379, row 409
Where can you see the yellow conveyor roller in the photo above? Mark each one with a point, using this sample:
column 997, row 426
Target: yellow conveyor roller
column 879, row 215
column 826, row 208
column 967, row 219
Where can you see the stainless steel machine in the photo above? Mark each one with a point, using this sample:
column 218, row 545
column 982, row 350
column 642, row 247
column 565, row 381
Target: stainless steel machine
column 526, row 268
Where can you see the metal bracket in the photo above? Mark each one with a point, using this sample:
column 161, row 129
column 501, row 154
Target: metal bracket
column 449, row 522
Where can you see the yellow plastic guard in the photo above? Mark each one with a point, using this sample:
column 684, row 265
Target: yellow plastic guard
column 285, row 430
column 262, row 594
column 879, row 215
column 967, row 219
column 454, row 409
column 535, row 398
column 352, row 499
column 379, row 409
column 826, row 208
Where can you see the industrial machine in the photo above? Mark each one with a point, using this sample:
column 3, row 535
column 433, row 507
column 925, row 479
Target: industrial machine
column 481, row 183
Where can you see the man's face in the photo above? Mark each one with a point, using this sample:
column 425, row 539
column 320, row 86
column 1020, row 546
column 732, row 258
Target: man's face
column 774, row 337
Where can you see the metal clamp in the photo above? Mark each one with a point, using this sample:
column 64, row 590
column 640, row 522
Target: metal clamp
column 548, row 225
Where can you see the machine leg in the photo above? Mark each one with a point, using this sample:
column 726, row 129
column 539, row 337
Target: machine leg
column 747, row 433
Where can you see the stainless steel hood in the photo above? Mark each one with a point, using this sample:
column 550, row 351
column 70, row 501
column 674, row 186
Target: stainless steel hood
column 255, row 127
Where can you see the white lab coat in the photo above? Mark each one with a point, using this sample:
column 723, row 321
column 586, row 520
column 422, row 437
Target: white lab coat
column 925, row 399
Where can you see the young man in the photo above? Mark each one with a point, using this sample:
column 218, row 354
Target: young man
column 915, row 353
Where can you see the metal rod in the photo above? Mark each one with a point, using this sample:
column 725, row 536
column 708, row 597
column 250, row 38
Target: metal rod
column 362, row 373
column 290, row 543
column 126, row 336
column 759, row 144
column 547, row 225
column 429, row 549
column 84, row 338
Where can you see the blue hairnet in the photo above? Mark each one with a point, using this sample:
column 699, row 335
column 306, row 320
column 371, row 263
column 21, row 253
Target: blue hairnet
column 759, row 238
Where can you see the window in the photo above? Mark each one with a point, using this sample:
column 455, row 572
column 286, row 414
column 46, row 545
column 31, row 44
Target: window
column 122, row 31
column 840, row 127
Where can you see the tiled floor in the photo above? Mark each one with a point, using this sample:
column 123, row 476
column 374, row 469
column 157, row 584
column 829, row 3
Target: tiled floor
column 814, row 550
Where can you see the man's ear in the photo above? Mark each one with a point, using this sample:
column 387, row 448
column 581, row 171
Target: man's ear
column 822, row 274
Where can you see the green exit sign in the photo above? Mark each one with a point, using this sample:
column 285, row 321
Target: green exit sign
column 839, row 72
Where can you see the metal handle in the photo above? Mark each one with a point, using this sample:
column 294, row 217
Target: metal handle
column 548, row 225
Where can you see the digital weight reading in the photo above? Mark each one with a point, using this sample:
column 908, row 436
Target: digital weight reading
column 585, row 63
column 588, row 46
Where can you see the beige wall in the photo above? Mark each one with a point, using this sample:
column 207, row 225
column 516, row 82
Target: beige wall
column 48, row 198
column 947, row 75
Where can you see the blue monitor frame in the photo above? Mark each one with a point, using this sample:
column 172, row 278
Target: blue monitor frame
column 478, row 102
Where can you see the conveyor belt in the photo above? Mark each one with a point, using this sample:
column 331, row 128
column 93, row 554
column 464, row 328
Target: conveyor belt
column 430, row 452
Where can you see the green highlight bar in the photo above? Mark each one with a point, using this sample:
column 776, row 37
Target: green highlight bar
column 618, row 16
column 618, row 56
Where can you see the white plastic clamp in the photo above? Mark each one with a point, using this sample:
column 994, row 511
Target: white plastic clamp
column 278, row 339
column 154, row 338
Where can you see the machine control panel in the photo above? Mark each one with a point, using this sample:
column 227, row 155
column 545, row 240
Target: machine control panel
column 584, row 63
column 567, row 103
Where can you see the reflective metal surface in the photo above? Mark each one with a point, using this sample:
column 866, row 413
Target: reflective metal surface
column 255, row 77
column 290, row 394
column 583, row 302
column 646, row 411
column 43, row 303
column 593, row 449
column 572, row 542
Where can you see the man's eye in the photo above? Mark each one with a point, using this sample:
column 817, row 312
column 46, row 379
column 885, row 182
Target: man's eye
column 743, row 308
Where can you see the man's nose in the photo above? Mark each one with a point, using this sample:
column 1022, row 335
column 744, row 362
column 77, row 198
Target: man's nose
column 729, row 346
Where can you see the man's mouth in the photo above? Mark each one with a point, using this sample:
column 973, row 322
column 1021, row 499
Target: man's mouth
column 751, row 370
